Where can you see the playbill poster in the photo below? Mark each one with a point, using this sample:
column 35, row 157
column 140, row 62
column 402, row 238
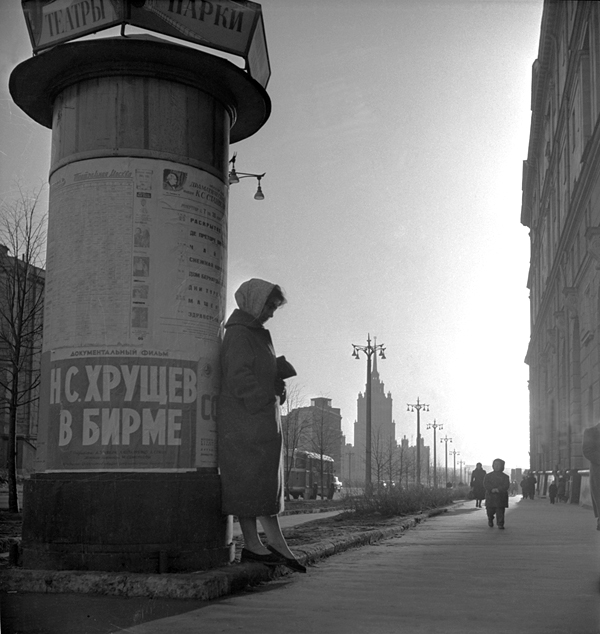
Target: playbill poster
column 135, row 296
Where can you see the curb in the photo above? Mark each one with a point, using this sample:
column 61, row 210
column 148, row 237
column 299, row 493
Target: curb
column 205, row 585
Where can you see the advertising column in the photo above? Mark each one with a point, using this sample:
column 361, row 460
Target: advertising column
column 135, row 296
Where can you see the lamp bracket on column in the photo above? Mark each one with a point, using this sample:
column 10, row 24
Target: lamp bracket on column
column 235, row 177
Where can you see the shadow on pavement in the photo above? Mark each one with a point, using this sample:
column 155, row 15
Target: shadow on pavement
column 84, row 614
column 34, row 613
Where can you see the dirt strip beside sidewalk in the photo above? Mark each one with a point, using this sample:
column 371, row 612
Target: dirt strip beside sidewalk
column 311, row 542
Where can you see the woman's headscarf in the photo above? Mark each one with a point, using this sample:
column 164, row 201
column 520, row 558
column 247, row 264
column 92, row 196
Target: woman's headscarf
column 252, row 295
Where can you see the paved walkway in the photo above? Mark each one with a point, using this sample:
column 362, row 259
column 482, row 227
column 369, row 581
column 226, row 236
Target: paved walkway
column 451, row 575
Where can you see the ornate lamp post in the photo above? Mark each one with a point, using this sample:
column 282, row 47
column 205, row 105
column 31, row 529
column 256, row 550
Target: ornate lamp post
column 454, row 453
column 369, row 351
column 418, row 406
column 435, row 426
column 446, row 440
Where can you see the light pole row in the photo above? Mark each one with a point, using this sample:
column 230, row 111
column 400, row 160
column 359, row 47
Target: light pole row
column 446, row 440
column 435, row 426
column 454, row 453
column 369, row 350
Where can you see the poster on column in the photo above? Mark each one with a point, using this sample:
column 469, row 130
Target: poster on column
column 135, row 297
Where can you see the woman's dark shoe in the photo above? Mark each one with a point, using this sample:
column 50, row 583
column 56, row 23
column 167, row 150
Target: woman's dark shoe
column 269, row 559
column 290, row 562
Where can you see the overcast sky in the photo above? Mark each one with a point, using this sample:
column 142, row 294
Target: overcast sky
column 393, row 160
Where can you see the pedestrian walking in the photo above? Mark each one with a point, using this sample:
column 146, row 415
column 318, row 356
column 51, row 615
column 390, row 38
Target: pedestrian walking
column 331, row 491
column 552, row 491
column 477, row 477
column 561, row 492
column 531, row 482
column 496, row 485
column 525, row 488
column 249, row 425
column 591, row 450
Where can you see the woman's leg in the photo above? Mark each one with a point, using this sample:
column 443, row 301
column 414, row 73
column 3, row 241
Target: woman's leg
column 270, row 524
column 251, row 539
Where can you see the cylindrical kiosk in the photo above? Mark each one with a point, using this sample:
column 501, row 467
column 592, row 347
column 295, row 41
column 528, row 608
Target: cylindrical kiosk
column 135, row 294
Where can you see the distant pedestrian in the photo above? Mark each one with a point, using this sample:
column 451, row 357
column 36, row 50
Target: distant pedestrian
column 496, row 485
column 525, row 488
column 331, row 491
column 477, row 477
column 591, row 450
column 531, row 482
column 562, row 489
column 552, row 490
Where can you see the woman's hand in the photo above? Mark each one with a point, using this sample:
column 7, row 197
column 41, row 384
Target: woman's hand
column 279, row 386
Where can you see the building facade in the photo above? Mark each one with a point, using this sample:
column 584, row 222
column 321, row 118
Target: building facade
column 316, row 428
column 561, row 208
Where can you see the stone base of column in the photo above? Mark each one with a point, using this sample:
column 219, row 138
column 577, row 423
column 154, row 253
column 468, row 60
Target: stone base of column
column 134, row 522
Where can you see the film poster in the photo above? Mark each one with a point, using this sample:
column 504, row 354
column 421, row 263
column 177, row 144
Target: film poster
column 135, row 297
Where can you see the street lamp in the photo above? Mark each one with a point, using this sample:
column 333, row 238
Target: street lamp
column 435, row 426
column 446, row 440
column 369, row 351
column 418, row 406
column 454, row 453
column 235, row 177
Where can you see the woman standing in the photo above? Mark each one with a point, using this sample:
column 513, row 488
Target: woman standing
column 477, row 484
column 249, row 425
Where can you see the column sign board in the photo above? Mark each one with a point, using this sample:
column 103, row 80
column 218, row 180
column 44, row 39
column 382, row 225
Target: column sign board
column 232, row 26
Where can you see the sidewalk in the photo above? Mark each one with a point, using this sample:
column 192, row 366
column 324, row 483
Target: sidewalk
column 449, row 575
column 452, row 575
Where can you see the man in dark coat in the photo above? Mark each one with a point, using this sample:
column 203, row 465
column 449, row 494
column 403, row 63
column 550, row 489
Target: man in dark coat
column 531, row 482
column 552, row 490
column 591, row 450
column 496, row 485
column 525, row 487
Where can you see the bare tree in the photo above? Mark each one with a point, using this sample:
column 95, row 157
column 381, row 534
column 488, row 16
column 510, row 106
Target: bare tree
column 379, row 456
column 406, row 462
column 384, row 457
column 391, row 461
column 23, row 238
column 294, row 429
